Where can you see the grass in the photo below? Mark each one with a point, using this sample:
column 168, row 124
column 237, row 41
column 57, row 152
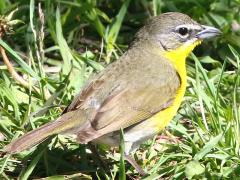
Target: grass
column 60, row 44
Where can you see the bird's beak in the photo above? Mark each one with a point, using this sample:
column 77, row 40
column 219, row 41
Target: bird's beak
column 208, row 32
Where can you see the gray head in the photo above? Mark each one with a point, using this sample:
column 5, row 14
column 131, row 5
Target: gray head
column 172, row 30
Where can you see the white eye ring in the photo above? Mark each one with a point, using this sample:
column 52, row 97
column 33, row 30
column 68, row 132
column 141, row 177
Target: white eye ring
column 182, row 31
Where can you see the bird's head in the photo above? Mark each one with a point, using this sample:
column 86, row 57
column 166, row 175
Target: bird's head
column 172, row 31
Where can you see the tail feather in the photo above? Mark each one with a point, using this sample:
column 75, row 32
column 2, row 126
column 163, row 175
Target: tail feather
column 66, row 123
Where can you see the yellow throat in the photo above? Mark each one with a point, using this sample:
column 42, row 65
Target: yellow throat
column 178, row 59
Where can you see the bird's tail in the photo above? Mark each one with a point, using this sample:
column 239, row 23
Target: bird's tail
column 65, row 123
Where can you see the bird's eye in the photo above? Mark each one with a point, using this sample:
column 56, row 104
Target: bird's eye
column 183, row 31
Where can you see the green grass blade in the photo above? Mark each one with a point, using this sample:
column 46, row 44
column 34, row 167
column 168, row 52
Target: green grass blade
column 64, row 49
column 28, row 171
column 208, row 147
column 156, row 7
column 19, row 60
column 7, row 93
column 122, row 173
column 116, row 24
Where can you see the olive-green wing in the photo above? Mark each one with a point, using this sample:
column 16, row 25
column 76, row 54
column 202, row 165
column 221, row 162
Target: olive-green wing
column 131, row 105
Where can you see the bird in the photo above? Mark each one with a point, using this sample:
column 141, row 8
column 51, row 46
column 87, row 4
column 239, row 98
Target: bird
column 140, row 93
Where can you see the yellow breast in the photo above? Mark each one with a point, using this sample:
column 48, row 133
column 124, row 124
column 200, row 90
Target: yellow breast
column 178, row 59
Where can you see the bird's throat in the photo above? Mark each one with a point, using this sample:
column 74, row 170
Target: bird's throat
column 178, row 57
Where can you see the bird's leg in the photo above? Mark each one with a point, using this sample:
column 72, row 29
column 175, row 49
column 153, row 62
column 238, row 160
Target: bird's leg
column 135, row 165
